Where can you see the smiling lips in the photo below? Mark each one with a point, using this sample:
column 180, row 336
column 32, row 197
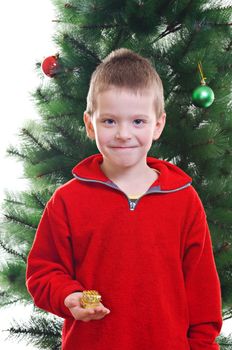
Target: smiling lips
column 120, row 147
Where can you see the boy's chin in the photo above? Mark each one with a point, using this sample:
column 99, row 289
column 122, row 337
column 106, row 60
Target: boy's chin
column 123, row 163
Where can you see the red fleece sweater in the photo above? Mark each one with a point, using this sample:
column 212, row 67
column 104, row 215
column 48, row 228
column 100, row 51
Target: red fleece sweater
column 152, row 262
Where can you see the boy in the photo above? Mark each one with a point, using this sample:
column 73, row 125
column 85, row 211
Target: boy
column 129, row 226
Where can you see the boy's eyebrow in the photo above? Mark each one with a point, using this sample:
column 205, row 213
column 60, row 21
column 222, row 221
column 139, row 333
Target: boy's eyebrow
column 106, row 115
column 114, row 116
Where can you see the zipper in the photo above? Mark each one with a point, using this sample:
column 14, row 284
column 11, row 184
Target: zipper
column 132, row 205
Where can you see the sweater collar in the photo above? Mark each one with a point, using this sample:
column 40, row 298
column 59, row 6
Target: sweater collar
column 171, row 178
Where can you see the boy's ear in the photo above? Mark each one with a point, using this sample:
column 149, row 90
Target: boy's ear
column 160, row 124
column 89, row 126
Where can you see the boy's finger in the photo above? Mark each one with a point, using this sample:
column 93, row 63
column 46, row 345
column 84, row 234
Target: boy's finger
column 81, row 313
column 101, row 308
column 95, row 317
column 95, row 314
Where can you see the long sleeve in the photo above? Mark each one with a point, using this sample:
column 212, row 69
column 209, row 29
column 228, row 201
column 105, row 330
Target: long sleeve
column 50, row 273
column 202, row 285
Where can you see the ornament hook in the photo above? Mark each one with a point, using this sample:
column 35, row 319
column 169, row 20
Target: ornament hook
column 201, row 73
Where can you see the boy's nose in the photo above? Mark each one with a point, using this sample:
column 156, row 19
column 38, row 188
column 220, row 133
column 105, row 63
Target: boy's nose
column 123, row 133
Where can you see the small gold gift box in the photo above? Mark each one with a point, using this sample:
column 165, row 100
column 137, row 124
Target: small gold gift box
column 90, row 299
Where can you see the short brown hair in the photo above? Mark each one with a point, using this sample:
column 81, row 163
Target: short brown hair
column 124, row 68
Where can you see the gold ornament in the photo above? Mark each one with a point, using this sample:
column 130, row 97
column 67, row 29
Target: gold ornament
column 90, row 299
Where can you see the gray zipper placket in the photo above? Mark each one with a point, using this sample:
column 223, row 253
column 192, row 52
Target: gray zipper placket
column 132, row 205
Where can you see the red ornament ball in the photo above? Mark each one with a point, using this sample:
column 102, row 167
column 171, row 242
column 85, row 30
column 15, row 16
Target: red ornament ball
column 50, row 66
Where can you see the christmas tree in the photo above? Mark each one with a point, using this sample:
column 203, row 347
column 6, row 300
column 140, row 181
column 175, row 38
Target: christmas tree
column 178, row 37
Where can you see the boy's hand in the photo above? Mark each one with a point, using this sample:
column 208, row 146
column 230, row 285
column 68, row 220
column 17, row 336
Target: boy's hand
column 72, row 302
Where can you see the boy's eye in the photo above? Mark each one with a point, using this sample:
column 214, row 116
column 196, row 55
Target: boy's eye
column 138, row 121
column 108, row 121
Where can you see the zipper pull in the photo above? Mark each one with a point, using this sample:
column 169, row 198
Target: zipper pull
column 132, row 205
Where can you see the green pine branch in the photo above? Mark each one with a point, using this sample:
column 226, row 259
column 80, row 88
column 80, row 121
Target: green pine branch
column 82, row 48
column 11, row 302
column 7, row 298
column 20, row 221
column 229, row 317
column 29, row 135
column 31, row 201
column 12, row 251
column 44, row 333
column 102, row 26
column 59, row 116
column 171, row 28
column 39, row 200
column 13, row 201
column 225, row 342
column 39, row 95
column 12, row 151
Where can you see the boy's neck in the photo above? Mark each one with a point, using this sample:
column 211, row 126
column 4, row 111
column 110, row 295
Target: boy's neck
column 131, row 179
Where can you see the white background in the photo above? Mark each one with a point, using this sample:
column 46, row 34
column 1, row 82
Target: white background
column 26, row 30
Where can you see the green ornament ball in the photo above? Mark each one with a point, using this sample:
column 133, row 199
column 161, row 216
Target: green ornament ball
column 203, row 96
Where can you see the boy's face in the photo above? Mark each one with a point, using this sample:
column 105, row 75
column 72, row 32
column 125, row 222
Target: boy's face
column 124, row 125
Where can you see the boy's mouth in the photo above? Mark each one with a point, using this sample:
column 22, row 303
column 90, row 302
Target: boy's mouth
column 124, row 147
